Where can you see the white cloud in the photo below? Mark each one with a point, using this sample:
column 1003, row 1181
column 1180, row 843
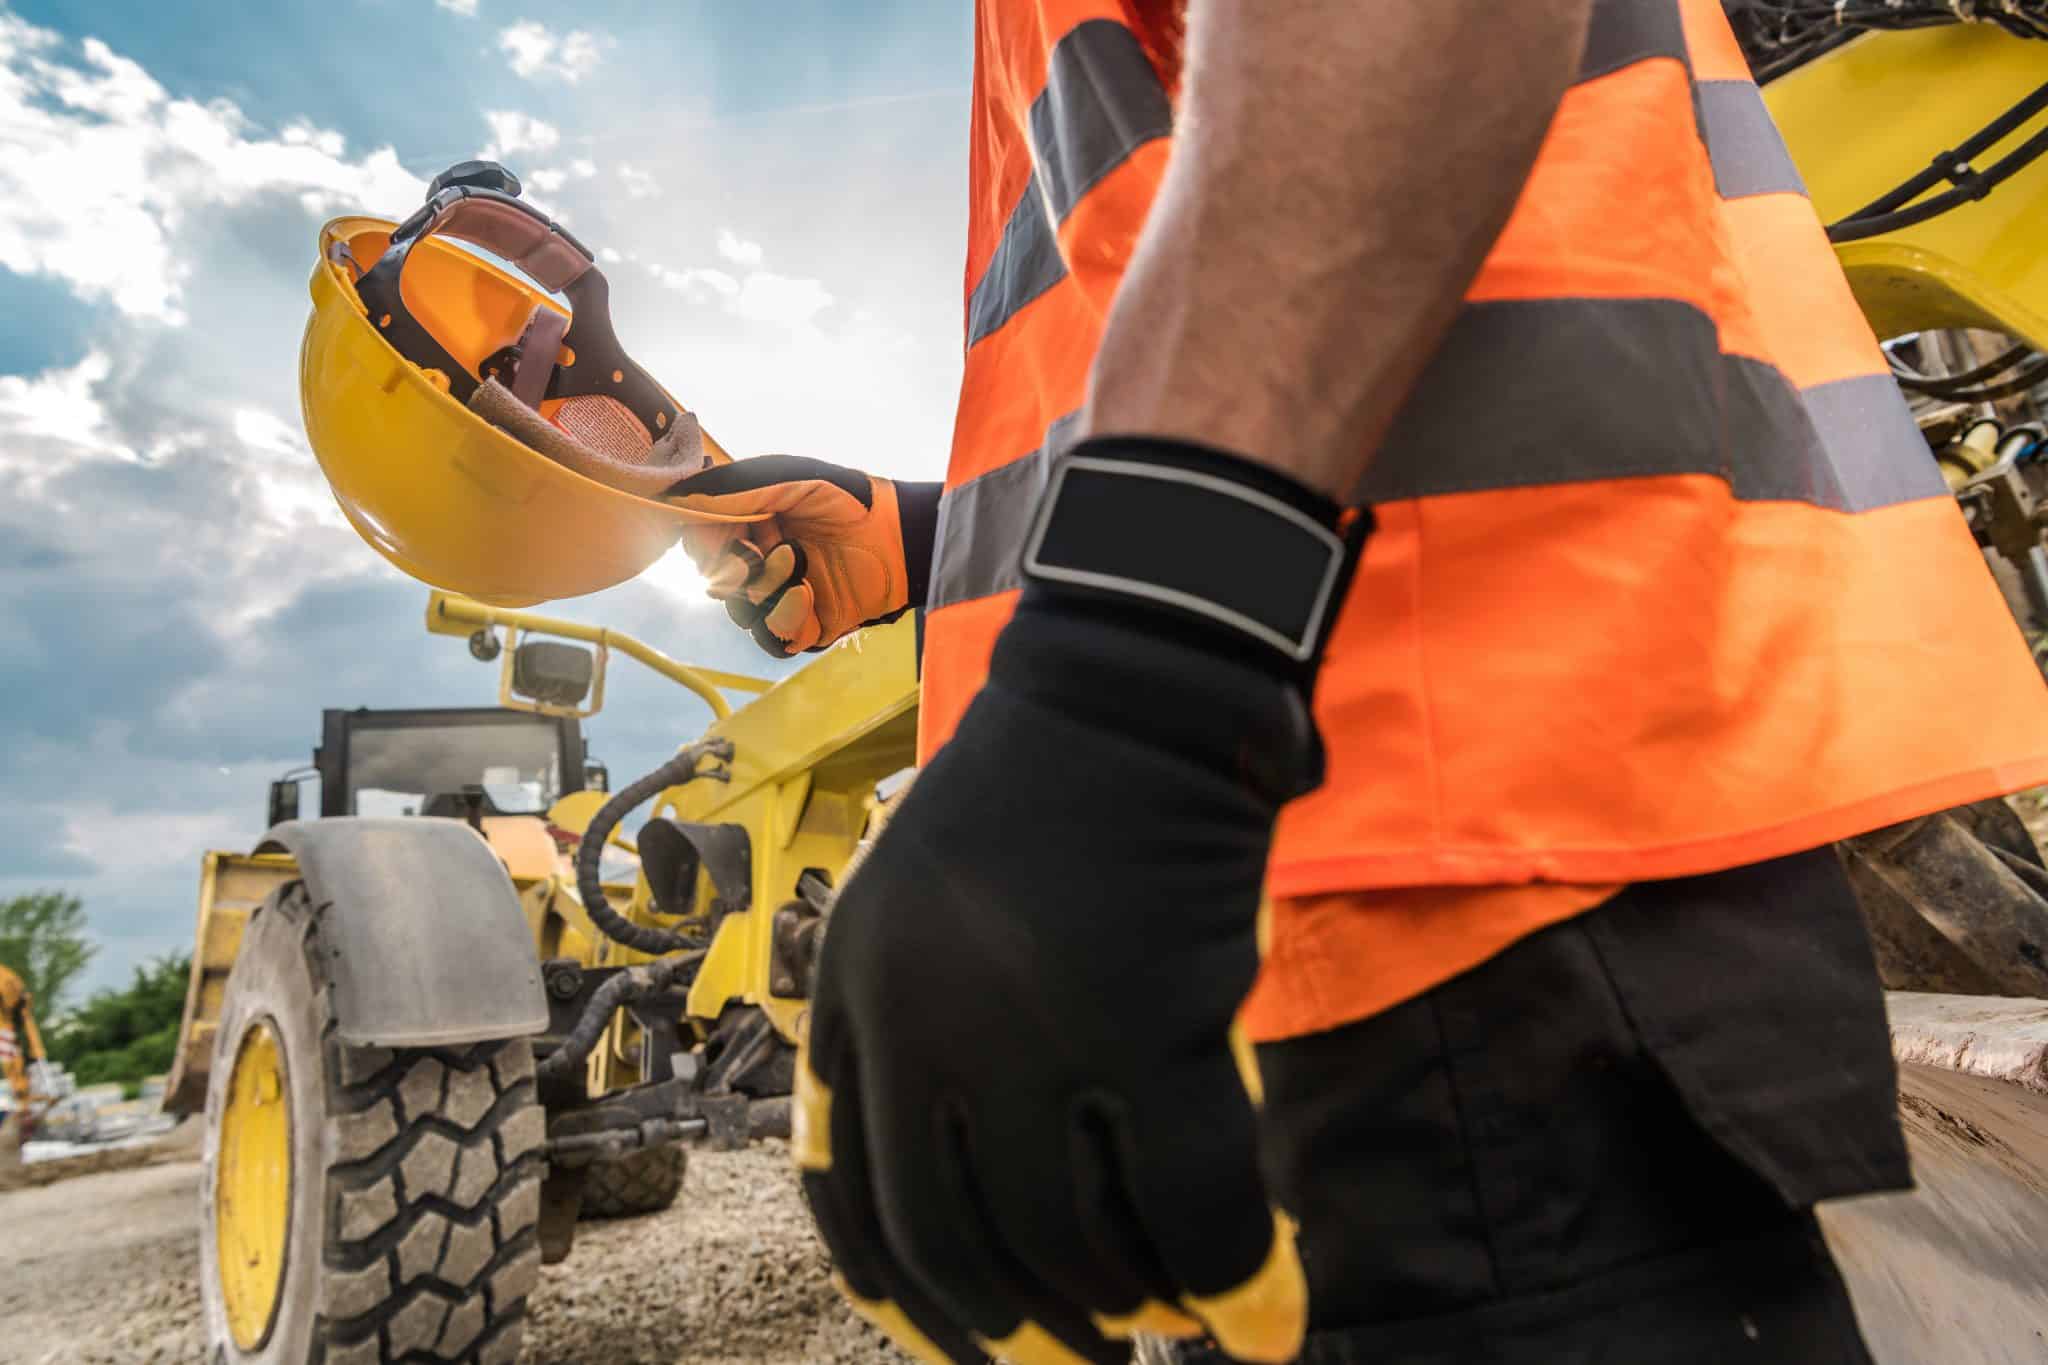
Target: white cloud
column 757, row 296
column 100, row 168
column 321, row 139
column 465, row 8
column 684, row 281
column 268, row 434
column 513, row 133
column 535, row 51
column 609, row 255
column 639, row 183
column 548, row 179
column 61, row 406
column 128, row 841
column 736, row 249
column 782, row 299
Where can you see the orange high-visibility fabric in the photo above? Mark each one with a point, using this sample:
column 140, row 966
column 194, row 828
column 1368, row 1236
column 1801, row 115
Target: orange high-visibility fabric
column 1605, row 652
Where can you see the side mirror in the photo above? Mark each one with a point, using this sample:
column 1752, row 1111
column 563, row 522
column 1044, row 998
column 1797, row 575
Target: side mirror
column 284, row 802
column 596, row 777
column 555, row 676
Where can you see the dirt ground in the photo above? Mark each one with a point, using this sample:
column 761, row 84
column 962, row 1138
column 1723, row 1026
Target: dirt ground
column 103, row 1270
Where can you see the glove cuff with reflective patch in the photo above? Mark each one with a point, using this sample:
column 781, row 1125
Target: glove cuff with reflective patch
column 1219, row 546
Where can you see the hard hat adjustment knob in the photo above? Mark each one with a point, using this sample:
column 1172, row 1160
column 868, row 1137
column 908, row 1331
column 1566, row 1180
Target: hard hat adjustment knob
column 475, row 175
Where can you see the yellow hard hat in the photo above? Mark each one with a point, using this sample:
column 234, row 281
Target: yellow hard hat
column 478, row 434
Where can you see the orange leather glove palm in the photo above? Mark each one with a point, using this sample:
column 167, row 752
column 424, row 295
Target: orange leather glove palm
column 838, row 550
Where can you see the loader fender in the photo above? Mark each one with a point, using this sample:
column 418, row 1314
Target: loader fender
column 418, row 929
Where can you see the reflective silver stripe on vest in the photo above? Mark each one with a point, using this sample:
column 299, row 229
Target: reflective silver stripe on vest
column 1027, row 262
column 1748, row 153
column 1102, row 101
column 1625, row 32
column 982, row 523
column 1505, row 404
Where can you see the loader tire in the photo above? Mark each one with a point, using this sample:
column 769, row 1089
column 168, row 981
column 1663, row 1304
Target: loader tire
column 635, row 1184
column 401, row 1225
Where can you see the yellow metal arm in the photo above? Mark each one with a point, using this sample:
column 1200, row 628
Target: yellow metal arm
column 449, row 614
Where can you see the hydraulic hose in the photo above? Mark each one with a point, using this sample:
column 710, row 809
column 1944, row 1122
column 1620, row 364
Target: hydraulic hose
column 634, row 983
column 614, row 926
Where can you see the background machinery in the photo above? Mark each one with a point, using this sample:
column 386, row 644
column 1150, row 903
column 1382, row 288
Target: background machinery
column 429, row 1030
column 22, row 1063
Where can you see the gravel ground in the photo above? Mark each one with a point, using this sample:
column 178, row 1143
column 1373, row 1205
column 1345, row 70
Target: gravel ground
column 102, row 1270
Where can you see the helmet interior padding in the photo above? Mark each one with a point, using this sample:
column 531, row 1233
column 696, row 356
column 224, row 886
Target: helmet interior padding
column 609, row 447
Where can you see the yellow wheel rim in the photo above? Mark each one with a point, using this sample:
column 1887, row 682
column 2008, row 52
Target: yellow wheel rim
column 252, row 1202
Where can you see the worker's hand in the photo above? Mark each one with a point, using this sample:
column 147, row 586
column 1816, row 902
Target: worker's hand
column 830, row 558
column 1024, row 1118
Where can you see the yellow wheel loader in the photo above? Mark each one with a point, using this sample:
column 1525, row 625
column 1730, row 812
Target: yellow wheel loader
column 428, row 1034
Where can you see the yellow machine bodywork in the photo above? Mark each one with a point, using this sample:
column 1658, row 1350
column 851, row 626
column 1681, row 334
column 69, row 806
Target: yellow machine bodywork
column 231, row 886
column 807, row 754
column 1864, row 118
column 252, row 1205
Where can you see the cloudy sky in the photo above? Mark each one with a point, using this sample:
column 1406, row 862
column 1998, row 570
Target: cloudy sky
column 784, row 187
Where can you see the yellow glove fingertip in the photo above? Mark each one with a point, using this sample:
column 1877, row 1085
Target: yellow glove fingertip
column 1030, row 1344
column 1246, row 1055
column 1265, row 1319
column 891, row 1322
column 810, row 1118
column 1153, row 1318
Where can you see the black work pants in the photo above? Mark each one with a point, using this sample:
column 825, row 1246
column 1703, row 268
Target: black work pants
column 1604, row 1144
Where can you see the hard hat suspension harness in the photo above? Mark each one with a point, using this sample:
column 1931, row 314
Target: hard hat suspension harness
column 615, row 422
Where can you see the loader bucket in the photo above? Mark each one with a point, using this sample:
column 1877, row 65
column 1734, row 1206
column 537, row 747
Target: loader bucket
column 231, row 886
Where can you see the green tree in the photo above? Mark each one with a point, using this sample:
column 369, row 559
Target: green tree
column 125, row 1035
column 42, row 938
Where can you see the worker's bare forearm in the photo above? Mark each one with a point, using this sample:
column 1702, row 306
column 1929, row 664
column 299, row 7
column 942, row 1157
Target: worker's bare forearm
column 1340, row 170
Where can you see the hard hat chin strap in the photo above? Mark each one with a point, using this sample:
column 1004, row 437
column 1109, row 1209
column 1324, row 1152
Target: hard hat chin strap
column 469, row 209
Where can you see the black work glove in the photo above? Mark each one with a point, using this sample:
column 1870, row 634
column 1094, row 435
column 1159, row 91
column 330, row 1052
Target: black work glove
column 1025, row 1117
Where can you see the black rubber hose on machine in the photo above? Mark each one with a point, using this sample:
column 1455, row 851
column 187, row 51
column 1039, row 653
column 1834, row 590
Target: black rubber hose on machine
column 650, row 978
column 614, row 926
column 634, row 983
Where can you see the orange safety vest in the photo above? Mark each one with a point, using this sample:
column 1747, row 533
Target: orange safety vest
column 1665, row 579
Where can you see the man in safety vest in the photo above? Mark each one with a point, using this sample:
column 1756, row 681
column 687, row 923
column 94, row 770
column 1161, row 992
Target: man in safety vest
column 1482, row 371
column 21, row 1046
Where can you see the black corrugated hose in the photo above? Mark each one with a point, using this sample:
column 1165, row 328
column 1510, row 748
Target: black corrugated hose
column 635, row 983
column 614, row 926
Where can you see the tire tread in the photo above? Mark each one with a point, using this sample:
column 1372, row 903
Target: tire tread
column 445, row 1279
